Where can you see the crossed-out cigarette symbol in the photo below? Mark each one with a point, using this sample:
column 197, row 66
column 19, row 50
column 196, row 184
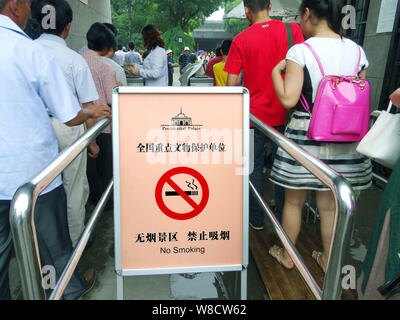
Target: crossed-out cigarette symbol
column 192, row 185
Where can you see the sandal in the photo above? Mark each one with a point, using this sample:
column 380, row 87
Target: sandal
column 276, row 253
column 317, row 257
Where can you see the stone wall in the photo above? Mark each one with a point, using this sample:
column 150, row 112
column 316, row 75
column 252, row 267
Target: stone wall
column 86, row 12
column 377, row 49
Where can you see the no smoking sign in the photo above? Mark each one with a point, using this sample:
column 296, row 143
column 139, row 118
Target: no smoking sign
column 182, row 187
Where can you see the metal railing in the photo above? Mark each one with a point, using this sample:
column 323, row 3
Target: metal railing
column 22, row 218
column 26, row 246
column 345, row 209
column 80, row 247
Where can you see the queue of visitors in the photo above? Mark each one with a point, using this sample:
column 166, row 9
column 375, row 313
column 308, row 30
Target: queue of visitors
column 63, row 93
column 44, row 91
column 264, row 49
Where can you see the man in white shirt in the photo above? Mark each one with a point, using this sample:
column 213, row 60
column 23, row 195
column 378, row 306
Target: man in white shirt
column 119, row 71
column 120, row 55
column 32, row 86
column 80, row 80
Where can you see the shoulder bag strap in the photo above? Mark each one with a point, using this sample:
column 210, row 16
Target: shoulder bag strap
column 316, row 58
column 359, row 61
column 303, row 100
column 289, row 34
column 390, row 107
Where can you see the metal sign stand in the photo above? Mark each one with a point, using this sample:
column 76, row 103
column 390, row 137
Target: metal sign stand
column 117, row 187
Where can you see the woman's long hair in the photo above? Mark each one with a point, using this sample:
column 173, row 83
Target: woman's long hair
column 325, row 9
column 152, row 37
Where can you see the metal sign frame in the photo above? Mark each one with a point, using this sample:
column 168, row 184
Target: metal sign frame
column 117, row 187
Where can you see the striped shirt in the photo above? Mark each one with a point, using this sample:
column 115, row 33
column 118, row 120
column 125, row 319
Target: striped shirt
column 104, row 78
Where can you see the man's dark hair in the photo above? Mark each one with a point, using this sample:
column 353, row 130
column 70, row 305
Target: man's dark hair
column 99, row 37
column 112, row 28
column 257, row 5
column 64, row 14
column 33, row 29
column 218, row 52
column 131, row 45
column 226, row 46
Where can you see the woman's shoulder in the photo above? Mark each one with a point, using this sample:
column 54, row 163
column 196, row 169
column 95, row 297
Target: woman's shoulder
column 331, row 42
column 160, row 49
column 321, row 44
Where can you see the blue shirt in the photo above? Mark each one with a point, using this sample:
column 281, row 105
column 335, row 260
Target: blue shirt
column 32, row 87
column 185, row 60
column 170, row 67
column 133, row 57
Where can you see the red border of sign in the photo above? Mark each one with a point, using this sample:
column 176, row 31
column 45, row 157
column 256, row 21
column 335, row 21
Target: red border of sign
column 197, row 208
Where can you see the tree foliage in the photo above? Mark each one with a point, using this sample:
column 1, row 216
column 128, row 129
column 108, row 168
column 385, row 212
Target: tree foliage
column 234, row 26
column 171, row 38
column 188, row 15
column 172, row 17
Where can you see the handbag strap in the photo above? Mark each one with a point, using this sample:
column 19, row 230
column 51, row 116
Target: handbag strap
column 304, row 103
column 303, row 99
column 359, row 61
column 320, row 64
column 390, row 107
column 316, row 58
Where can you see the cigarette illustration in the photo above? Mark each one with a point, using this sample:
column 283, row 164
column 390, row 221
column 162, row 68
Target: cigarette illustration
column 176, row 194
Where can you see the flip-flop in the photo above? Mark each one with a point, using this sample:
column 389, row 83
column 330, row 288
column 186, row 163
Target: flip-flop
column 316, row 255
column 276, row 253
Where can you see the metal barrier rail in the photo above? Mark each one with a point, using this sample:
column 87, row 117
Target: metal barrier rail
column 22, row 214
column 80, row 247
column 345, row 209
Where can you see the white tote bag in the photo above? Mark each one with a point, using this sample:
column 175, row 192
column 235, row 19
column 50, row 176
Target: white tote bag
column 382, row 143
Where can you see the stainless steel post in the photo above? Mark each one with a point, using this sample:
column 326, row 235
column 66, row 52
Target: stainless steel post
column 345, row 206
column 22, row 214
column 80, row 247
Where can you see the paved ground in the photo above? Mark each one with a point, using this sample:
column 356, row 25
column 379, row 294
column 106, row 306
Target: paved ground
column 176, row 82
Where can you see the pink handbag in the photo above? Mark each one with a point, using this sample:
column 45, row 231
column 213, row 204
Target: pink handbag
column 341, row 111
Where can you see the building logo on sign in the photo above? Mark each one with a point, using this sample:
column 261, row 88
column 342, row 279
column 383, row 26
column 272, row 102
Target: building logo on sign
column 181, row 122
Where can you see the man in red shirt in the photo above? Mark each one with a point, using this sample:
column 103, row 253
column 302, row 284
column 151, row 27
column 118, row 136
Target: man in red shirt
column 256, row 51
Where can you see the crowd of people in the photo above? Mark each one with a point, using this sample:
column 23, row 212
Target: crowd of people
column 265, row 49
column 254, row 61
column 53, row 94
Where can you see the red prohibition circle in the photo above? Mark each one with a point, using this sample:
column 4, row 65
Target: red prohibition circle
column 197, row 208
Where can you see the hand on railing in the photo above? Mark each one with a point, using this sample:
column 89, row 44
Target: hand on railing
column 98, row 110
column 90, row 111
column 93, row 150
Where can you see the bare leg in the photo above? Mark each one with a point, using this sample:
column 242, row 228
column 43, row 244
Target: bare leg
column 326, row 208
column 291, row 220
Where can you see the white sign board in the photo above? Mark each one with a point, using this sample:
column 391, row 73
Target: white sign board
column 387, row 16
